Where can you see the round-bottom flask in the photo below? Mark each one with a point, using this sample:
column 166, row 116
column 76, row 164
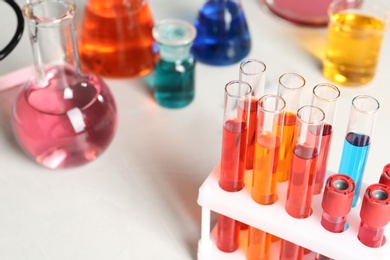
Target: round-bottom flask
column 61, row 118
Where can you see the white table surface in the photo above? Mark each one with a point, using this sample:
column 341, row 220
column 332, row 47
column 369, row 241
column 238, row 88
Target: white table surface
column 139, row 199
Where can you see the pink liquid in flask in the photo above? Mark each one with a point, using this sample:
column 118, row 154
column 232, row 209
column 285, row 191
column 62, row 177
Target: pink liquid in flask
column 65, row 121
column 313, row 12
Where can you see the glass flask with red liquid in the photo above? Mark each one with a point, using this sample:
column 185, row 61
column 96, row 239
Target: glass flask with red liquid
column 61, row 118
column 311, row 13
column 116, row 38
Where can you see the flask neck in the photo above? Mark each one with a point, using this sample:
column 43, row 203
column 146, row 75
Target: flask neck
column 52, row 35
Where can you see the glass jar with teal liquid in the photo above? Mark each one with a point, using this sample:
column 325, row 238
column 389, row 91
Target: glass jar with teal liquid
column 173, row 78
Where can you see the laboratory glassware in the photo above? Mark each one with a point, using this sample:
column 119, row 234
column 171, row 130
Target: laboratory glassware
column 306, row 148
column 232, row 169
column 312, row 13
column 358, row 139
column 355, row 26
column 290, row 88
column 223, row 36
column 270, row 112
column 61, row 117
column 325, row 96
column 253, row 72
column 115, row 38
column 173, row 78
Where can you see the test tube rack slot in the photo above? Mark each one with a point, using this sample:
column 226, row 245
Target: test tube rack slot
column 274, row 219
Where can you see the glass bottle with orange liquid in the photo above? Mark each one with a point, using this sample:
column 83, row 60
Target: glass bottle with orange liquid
column 116, row 38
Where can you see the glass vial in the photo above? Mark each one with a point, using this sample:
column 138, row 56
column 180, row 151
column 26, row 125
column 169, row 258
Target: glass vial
column 173, row 78
column 223, row 36
column 325, row 96
column 253, row 72
column 358, row 140
column 232, row 169
column 116, row 38
column 61, row 118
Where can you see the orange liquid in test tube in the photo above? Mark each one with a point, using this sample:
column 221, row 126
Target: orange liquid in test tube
column 286, row 148
column 259, row 244
column 265, row 164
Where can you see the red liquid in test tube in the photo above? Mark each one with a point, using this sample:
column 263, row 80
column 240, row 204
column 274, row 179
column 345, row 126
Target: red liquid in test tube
column 233, row 155
column 325, row 96
column 252, row 71
column 307, row 140
column 232, row 171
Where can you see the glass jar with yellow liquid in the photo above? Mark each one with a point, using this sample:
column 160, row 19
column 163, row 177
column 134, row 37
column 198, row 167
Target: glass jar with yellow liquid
column 355, row 34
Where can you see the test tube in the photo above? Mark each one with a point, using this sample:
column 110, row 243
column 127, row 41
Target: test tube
column 270, row 113
column 307, row 141
column 306, row 148
column 325, row 96
column 232, row 168
column 374, row 215
column 385, row 176
column 358, row 140
column 290, row 89
column 252, row 71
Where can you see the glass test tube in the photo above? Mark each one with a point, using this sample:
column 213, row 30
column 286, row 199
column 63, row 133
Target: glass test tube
column 374, row 215
column 307, row 141
column 290, row 89
column 235, row 124
column 385, row 176
column 270, row 113
column 358, row 139
column 253, row 72
column 325, row 96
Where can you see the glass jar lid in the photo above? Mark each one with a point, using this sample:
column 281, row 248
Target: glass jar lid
column 174, row 32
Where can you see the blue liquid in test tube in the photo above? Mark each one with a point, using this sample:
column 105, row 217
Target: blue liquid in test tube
column 353, row 159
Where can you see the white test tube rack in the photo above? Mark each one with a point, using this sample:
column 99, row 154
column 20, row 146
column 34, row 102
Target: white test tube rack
column 274, row 219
